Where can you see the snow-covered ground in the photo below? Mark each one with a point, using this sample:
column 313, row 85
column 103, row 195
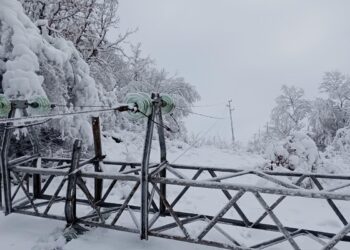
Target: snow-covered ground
column 18, row 232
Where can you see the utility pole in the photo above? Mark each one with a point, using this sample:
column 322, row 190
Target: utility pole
column 230, row 111
column 267, row 129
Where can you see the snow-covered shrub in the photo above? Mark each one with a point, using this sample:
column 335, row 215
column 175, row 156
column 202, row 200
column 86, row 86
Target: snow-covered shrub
column 341, row 142
column 297, row 152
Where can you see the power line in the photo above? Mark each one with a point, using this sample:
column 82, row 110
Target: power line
column 195, row 142
column 203, row 106
column 79, row 106
column 230, row 109
column 177, row 124
column 201, row 135
column 199, row 114
column 55, row 116
column 209, row 105
column 161, row 125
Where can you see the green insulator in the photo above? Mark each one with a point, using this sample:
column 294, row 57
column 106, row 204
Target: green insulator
column 39, row 105
column 5, row 106
column 142, row 102
column 168, row 104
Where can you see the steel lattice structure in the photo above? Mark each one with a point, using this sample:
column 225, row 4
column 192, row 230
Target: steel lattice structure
column 154, row 203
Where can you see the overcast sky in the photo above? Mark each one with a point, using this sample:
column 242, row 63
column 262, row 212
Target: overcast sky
column 242, row 50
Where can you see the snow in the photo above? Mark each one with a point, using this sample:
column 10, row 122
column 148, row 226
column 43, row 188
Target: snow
column 341, row 142
column 20, row 78
column 296, row 152
column 25, row 232
column 45, row 233
column 35, row 64
column 39, row 65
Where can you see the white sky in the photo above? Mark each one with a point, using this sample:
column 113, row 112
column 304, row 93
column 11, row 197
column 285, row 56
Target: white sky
column 244, row 50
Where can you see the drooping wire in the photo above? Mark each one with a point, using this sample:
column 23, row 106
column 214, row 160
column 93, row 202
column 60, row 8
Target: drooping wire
column 177, row 124
column 160, row 125
column 195, row 142
column 206, row 105
column 202, row 134
column 199, row 114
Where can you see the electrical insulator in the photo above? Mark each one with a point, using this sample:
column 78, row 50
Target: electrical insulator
column 140, row 102
column 168, row 104
column 39, row 105
column 5, row 106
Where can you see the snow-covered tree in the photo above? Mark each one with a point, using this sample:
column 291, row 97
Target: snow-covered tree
column 139, row 65
column 337, row 86
column 341, row 142
column 323, row 121
column 327, row 116
column 84, row 22
column 290, row 111
column 64, row 54
column 147, row 78
column 36, row 66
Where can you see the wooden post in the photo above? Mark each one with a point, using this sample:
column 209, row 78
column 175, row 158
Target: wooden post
column 96, row 130
column 71, row 200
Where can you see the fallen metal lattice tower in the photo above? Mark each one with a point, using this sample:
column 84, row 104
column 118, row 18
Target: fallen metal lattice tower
column 155, row 203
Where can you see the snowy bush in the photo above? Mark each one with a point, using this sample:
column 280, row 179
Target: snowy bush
column 341, row 142
column 297, row 152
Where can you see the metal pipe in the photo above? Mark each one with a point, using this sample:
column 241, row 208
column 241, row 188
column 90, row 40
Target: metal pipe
column 251, row 188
